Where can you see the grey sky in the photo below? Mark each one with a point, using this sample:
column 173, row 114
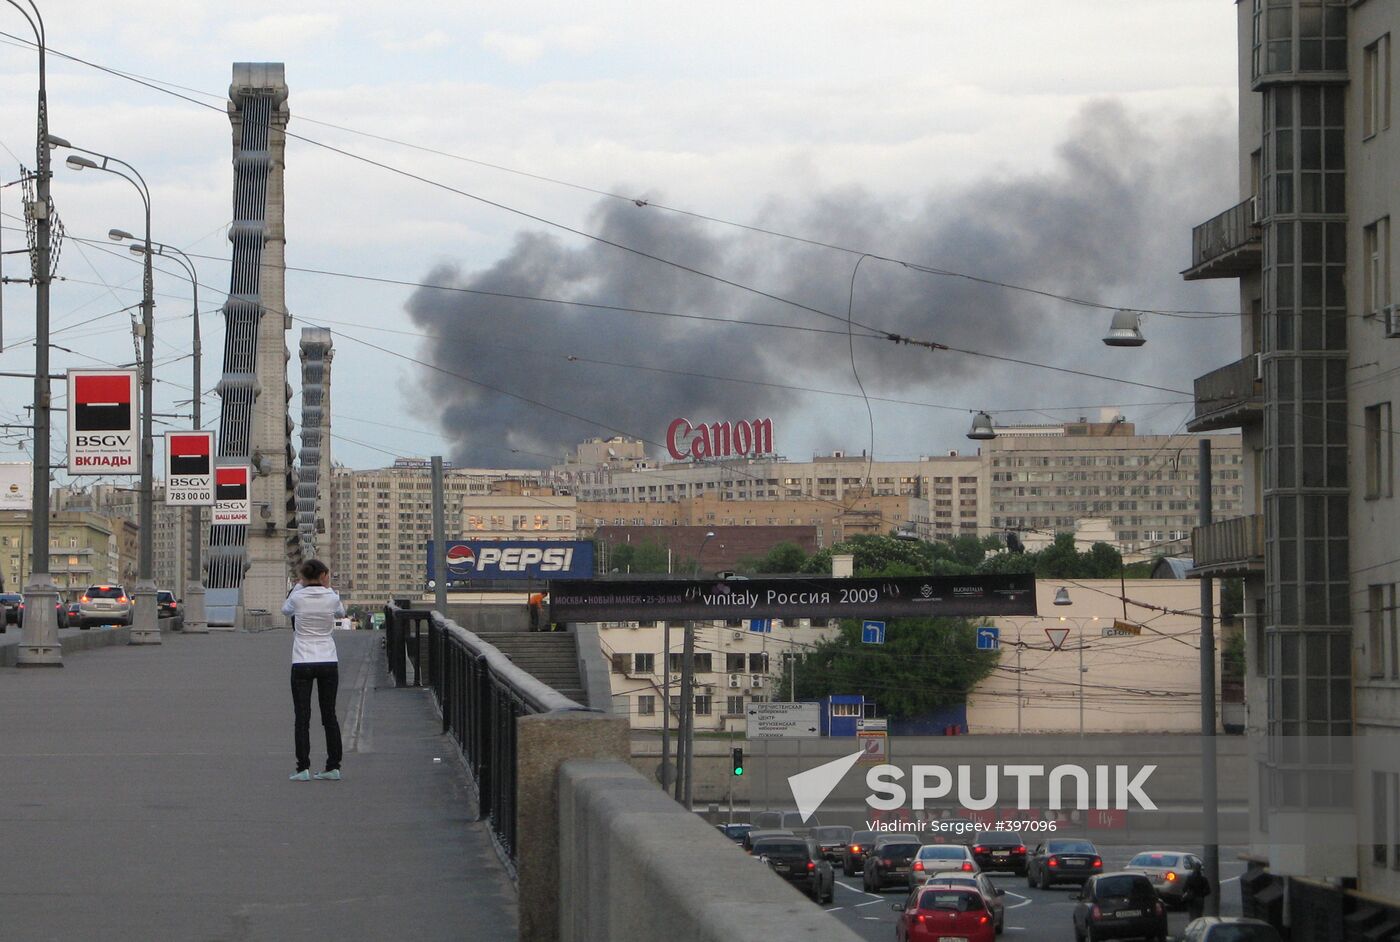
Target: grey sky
column 948, row 133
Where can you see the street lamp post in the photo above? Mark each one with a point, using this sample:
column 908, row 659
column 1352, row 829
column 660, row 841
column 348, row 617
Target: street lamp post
column 39, row 645
column 145, row 628
column 685, row 784
column 195, row 620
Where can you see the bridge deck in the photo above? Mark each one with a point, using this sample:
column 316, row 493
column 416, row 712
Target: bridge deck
column 144, row 795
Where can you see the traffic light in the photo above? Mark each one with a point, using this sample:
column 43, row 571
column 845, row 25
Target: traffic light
column 738, row 757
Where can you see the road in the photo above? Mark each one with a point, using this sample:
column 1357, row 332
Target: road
column 1031, row 915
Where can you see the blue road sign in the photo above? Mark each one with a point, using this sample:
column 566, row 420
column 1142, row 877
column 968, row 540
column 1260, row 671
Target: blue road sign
column 988, row 638
column 872, row 632
column 761, row 625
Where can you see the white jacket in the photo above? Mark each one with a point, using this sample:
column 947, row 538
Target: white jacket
column 314, row 609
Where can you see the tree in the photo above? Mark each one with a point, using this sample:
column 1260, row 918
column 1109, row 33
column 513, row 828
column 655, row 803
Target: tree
column 924, row 664
column 782, row 558
column 645, row 557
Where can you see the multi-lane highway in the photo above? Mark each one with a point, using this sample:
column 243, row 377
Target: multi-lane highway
column 1031, row 915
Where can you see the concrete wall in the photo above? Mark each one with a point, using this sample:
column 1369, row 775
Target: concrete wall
column 71, row 640
column 634, row 865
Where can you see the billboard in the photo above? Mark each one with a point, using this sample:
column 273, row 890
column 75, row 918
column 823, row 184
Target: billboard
column 189, row 471
column 16, row 485
column 103, row 437
column 513, row 559
column 232, row 495
column 817, row 597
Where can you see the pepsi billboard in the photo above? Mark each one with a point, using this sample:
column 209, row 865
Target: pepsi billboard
column 468, row 560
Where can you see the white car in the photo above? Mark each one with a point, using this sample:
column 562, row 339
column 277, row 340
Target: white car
column 933, row 858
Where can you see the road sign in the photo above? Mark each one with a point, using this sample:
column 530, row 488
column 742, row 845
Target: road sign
column 874, row 746
column 1057, row 636
column 189, row 468
column 784, row 720
column 872, row 632
column 988, row 638
column 763, row 626
column 871, row 724
column 103, row 437
column 1126, row 627
column 232, row 494
column 1116, row 632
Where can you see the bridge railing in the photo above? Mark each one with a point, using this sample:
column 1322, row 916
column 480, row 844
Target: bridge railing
column 480, row 694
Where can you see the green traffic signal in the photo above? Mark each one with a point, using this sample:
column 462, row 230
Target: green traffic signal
column 738, row 761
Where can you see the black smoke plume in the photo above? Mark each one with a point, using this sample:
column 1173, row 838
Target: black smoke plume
column 1110, row 220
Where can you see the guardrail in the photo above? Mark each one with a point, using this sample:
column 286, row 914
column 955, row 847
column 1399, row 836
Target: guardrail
column 1224, row 397
column 1223, row 234
column 1231, row 546
column 480, row 695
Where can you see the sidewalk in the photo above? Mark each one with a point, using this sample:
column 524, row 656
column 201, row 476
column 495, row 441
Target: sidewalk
column 144, row 795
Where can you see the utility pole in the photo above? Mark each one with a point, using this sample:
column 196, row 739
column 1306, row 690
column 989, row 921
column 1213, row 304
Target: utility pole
column 39, row 645
column 688, row 711
column 439, row 539
column 1210, row 822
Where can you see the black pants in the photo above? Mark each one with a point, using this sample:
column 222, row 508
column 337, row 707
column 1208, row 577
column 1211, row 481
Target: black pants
column 326, row 676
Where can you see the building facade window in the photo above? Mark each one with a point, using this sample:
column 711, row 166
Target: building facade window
column 704, row 705
column 646, row 705
column 734, row 706
column 644, row 663
column 1375, row 84
column 1378, row 450
column 1375, row 246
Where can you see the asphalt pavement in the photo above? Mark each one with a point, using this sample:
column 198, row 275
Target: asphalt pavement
column 144, row 795
column 1032, row 915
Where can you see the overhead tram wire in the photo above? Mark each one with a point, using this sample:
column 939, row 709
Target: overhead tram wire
column 172, row 88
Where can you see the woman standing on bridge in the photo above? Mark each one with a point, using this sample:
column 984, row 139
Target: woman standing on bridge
column 314, row 607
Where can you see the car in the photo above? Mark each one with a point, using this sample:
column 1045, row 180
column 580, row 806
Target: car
column 104, row 605
column 735, row 832
column 941, row 913
column 832, row 841
column 72, row 613
column 935, row 857
column 11, row 609
column 757, row 834
column 992, row 895
column 169, row 607
column 1001, row 852
column 1228, row 929
column 1119, row 905
column 853, row 860
column 800, row 862
column 1062, row 860
column 1169, row 871
column 890, row 863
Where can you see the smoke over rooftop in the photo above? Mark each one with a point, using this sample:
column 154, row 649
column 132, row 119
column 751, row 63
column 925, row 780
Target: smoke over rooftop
column 1109, row 221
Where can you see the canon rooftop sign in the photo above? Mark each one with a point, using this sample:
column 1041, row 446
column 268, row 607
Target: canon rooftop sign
column 719, row 439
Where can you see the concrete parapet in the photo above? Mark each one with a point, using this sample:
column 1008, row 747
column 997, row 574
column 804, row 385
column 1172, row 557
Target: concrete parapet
column 70, row 641
column 635, row 865
column 544, row 742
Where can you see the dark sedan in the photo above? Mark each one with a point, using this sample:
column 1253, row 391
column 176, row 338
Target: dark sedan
column 1001, row 852
column 800, row 863
column 853, row 860
column 1119, row 906
column 890, row 863
column 1063, row 860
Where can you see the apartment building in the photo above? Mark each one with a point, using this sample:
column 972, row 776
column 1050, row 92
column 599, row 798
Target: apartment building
column 815, row 492
column 382, row 519
column 1313, row 386
column 1045, row 478
column 83, row 550
column 515, row 510
column 121, row 505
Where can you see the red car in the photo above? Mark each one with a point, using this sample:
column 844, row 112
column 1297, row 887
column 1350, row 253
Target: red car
column 944, row 914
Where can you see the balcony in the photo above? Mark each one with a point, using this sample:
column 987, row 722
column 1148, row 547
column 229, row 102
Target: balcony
column 1232, row 547
column 1230, row 397
column 1227, row 246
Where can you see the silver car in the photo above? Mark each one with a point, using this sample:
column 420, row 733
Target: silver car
column 104, row 605
column 1169, row 871
column 934, row 858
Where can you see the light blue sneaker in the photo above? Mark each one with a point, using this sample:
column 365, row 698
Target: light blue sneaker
column 332, row 776
column 303, row 776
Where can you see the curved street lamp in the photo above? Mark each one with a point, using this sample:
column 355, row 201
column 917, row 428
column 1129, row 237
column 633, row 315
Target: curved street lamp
column 145, row 628
column 195, row 620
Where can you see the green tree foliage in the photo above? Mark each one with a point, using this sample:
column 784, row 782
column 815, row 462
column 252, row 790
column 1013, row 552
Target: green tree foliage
column 645, row 557
column 1061, row 560
column 783, row 558
column 924, row 664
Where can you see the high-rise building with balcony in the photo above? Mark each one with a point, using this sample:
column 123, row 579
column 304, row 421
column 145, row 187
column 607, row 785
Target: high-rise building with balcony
column 1312, row 390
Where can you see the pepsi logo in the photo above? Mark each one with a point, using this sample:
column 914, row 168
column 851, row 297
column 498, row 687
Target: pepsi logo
column 460, row 559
